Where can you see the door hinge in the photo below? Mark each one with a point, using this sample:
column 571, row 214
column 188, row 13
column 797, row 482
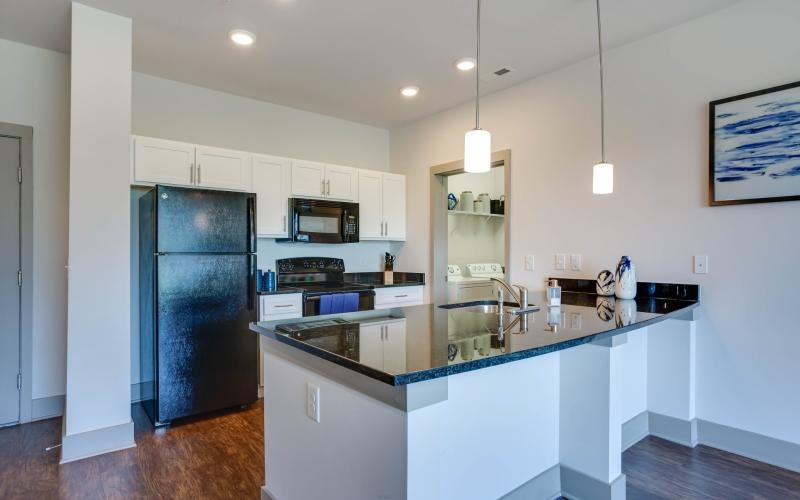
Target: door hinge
column 19, row 381
column 19, row 175
column 19, row 277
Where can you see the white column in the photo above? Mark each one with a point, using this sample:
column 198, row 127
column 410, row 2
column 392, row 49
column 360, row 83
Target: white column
column 97, row 417
column 590, row 416
column 671, row 381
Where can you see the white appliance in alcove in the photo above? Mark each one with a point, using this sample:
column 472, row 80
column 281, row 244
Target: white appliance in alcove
column 473, row 282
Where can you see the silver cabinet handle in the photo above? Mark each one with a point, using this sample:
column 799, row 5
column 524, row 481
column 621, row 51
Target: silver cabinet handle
column 323, row 186
column 198, row 175
column 191, row 173
column 281, row 306
column 401, row 296
column 329, row 187
column 387, row 228
column 284, row 223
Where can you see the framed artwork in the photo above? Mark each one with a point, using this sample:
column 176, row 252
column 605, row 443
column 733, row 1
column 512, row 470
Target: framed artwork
column 754, row 147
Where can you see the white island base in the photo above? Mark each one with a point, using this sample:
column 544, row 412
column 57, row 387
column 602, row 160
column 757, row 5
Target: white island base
column 535, row 428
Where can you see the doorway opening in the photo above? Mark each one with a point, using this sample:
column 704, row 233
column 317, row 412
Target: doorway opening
column 470, row 221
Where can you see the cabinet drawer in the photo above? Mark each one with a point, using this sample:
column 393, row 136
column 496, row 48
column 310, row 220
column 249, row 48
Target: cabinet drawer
column 281, row 306
column 406, row 295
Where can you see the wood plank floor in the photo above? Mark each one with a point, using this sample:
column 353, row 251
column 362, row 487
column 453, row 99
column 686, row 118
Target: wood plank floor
column 222, row 457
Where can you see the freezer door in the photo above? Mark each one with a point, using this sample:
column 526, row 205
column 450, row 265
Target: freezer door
column 205, row 221
column 206, row 353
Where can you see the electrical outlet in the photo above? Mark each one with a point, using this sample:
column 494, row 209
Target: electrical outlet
column 561, row 262
column 529, row 262
column 701, row 264
column 575, row 262
column 312, row 402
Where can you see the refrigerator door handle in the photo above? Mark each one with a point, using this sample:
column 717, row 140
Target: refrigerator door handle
column 251, row 224
column 251, row 282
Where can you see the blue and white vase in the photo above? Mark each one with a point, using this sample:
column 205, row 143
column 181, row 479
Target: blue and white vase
column 605, row 308
column 624, row 312
column 625, row 279
column 605, row 283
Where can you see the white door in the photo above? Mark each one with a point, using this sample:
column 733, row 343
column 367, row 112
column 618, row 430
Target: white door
column 394, row 347
column 9, row 290
column 222, row 169
column 158, row 161
column 308, row 179
column 271, row 185
column 370, row 194
column 394, row 206
column 341, row 183
column 370, row 345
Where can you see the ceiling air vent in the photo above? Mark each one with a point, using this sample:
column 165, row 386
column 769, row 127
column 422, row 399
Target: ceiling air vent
column 503, row 71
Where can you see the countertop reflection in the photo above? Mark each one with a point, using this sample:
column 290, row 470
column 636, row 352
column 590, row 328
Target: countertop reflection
column 411, row 344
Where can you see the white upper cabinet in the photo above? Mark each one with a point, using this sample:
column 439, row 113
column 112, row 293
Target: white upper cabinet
column 341, row 183
column 382, row 206
column 370, row 205
column 159, row 161
column 222, row 168
column 394, row 207
column 308, row 179
column 271, row 183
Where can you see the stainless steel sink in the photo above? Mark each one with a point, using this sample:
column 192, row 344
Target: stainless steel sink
column 490, row 307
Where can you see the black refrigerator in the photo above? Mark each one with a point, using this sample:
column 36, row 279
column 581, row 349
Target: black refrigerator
column 197, row 269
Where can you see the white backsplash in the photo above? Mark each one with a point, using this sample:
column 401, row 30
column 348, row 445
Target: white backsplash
column 365, row 256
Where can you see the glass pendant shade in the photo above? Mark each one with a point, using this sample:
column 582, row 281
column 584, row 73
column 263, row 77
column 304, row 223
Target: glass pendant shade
column 603, row 178
column 477, row 151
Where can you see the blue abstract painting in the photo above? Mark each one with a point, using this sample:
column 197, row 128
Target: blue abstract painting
column 756, row 147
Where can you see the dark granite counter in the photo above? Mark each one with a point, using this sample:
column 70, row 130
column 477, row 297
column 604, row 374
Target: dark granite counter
column 412, row 344
column 281, row 291
column 375, row 280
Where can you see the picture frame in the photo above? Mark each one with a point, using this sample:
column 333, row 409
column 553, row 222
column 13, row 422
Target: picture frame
column 754, row 147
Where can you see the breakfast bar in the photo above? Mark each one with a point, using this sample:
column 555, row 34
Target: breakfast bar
column 471, row 400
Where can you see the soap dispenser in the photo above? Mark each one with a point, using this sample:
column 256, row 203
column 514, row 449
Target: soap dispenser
column 553, row 293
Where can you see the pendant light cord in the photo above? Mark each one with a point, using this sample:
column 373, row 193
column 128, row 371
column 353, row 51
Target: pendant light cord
column 477, row 69
column 602, row 90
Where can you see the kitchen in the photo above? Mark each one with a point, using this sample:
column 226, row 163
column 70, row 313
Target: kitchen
column 211, row 124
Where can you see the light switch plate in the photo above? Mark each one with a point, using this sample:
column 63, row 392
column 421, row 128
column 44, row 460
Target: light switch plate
column 560, row 262
column 529, row 262
column 701, row 264
column 312, row 402
column 575, row 262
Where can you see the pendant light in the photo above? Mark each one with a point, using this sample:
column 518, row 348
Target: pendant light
column 603, row 172
column 478, row 142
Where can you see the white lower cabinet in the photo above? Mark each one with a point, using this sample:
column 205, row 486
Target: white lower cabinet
column 382, row 345
column 276, row 307
column 398, row 296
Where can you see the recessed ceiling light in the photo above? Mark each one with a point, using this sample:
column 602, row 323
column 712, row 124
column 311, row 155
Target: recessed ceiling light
column 465, row 64
column 409, row 91
column 242, row 37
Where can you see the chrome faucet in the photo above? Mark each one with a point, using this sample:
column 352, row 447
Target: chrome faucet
column 521, row 298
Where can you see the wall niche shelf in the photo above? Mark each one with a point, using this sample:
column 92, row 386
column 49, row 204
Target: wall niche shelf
column 475, row 214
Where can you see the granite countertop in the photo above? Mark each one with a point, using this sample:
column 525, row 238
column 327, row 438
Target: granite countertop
column 280, row 291
column 375, row 280
column 430, row 341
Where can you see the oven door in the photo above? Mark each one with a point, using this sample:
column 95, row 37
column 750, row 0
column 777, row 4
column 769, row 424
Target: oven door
column 318, row 221
column 366, row 302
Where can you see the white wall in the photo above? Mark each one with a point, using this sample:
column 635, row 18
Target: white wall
column 34, row 91
column 658, row 91
column 98, row 302
column 182, row 112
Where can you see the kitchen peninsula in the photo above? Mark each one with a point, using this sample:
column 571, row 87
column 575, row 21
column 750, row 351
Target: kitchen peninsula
column 462, row 401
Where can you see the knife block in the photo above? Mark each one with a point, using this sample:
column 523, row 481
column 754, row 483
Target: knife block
column 388, row 277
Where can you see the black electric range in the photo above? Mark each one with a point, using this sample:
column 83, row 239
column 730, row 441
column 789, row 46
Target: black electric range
column 318, row 277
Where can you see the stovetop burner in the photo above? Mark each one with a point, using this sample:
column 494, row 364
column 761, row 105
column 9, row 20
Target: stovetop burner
column 315, row 276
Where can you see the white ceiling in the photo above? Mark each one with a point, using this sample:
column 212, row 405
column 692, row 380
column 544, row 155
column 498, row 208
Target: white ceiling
column 348, row 58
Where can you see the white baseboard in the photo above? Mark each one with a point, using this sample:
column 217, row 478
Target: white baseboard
column 49, row 407
column 97, row 442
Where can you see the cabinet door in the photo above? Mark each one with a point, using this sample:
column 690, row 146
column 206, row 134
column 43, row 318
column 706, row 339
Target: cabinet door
column 308, row 179
column 158, row 161
column 370, row 345
column 341, row 183
column 222, row 169
column 394, row 206
column 271, row 185
column 370, row 194
column 394, row 347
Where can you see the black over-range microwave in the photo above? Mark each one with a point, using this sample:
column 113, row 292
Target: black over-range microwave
column 322, row 221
